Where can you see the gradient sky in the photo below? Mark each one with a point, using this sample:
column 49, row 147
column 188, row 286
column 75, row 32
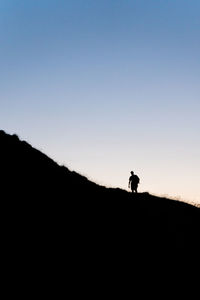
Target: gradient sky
column 106, row 87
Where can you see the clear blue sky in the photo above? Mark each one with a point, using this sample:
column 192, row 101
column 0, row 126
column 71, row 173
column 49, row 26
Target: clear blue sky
column 106, row 87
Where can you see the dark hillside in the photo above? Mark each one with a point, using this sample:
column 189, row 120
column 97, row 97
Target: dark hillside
column 62, row 217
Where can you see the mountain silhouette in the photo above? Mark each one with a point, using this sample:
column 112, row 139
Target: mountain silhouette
column 56, row 217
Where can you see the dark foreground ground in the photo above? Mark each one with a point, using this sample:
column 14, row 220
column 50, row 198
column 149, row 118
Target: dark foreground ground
column 57, row 222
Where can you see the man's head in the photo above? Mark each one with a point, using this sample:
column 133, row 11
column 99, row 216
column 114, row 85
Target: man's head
column 132, row 173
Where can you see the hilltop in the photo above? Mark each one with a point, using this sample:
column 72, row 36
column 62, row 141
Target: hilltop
column 48, row 207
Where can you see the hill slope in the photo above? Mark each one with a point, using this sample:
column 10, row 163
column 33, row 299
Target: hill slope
column 47, row 206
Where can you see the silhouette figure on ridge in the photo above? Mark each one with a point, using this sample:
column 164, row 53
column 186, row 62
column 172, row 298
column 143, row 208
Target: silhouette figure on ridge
column 133, row 182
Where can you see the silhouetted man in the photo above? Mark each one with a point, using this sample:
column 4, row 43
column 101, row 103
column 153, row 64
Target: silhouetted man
column 133, row 182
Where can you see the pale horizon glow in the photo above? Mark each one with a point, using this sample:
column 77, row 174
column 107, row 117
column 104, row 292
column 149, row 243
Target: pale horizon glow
column 106, row 87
